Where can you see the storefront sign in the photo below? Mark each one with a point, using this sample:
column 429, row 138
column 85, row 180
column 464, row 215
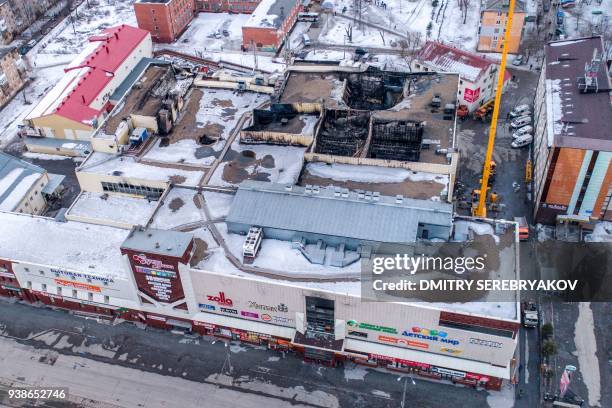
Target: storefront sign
column 142, row 259
column 409, row 343
column 161, row 287
column 78, row 285
column 281, row 308
column 450, row 351
column 154, row 272
column 478, row 377
column 249, row 314
column 205, row 325
column 486, row 343
column 220, row 299
column 446, row 371
column 431, row 335
column 276, row 319
column 204, row 307
column 412, row 363
column 367, row 326
column 230, row 311
column 153, row 317
column 471, row 95
column 85, row 276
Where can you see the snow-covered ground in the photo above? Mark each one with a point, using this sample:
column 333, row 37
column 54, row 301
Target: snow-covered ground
column 57, row 49
column 218, row 203
column 368, row 37
column 407, row 16
column 200, row 35
column 601, row 233
column 581, row 22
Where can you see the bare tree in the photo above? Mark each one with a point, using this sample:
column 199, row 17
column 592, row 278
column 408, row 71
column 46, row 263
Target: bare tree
column 382, row 35
column 464, row 6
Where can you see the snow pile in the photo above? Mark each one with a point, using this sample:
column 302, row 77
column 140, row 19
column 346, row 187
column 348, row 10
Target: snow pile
column 601, row 233
column 370, row 174
column 462, row 229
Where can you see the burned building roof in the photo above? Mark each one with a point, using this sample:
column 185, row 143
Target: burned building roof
column 578, row 95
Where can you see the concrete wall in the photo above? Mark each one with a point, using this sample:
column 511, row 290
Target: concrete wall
column 93, row 181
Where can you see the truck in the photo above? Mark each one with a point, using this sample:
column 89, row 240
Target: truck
column 139, row 135
column 523, row 228
column 530, row 314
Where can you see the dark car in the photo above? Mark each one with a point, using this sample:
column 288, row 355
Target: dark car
column 360, row 51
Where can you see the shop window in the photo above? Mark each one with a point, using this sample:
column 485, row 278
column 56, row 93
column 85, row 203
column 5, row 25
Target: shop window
column 90, row 297
column 44, row 287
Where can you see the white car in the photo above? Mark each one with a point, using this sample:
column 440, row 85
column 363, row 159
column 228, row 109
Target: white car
column 520, row 122
column 522, row 141
column 520, row 110
column 522, row 131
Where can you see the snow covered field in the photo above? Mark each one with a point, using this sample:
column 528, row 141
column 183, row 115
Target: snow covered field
column 200, row 35
column 370, row 174
column 402, row 16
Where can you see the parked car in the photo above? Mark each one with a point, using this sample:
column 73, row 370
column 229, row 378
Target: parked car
column 521, row 141
column 520, row 122
column 217, row 34
column 520, row 110
column 226, row 33
column 306, row 40
column 518, row 60
column 522, row 131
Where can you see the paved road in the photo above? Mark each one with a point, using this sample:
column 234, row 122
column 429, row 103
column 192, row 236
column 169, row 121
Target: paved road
column 132, row 367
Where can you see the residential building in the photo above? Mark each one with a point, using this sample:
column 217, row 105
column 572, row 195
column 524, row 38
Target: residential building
column 13, row 74
column 270, row 24
column 478, row 75
column 165, row 19
column 24, row 187
column 492, row 26
column 573, row 134
column 8, row 23
column 79, row 102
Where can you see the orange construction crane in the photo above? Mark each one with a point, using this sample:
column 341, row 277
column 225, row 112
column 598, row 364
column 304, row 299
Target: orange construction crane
column 481, row 209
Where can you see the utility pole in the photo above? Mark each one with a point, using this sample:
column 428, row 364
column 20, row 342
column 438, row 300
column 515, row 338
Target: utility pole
column 255, row 68
column 404, row 393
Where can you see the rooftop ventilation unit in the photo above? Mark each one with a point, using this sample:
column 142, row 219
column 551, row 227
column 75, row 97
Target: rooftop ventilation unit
column 588, row 83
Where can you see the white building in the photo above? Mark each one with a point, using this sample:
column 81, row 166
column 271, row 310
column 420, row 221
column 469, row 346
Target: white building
column 24, row 187
column 478, row 75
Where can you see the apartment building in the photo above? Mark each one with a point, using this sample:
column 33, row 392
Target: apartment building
column 493, row 16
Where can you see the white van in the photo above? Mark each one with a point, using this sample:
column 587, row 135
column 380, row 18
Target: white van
column 522, row 141
column 522, row 131
column 520, row 122
column 306, row 40
column 520, row 110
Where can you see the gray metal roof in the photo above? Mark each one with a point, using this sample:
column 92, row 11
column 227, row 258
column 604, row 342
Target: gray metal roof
column 136, row 72
column 12, row 173
column 335, row 212
column 163, row 242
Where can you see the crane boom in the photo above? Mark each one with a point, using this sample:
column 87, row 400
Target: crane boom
column 481, row 209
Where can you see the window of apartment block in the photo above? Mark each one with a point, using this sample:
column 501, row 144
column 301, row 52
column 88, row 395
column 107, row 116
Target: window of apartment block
column 44, row 287
column 90, row 296
column 74, row 293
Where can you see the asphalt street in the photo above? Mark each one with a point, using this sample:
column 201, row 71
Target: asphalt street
column 132, row 367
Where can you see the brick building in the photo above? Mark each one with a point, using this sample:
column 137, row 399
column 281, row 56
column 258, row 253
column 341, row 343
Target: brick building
column 573, row 134
column 13, row 73
column 164, row 19
column 270, row 24
column 227, row 6
column 493, row 22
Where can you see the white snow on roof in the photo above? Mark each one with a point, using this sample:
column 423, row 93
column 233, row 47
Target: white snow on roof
column 113, row 207
column 370, row 174
column 8, row 180
column 464, row 70
column 76, row 246
column 260, row 18
column 19, row 192
column 178, row 208
column 554, row 109
column 126, row 166
column 564, row 43
column 57, row 94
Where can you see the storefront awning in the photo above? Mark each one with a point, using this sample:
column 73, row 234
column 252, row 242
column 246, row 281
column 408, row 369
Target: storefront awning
column 246, row 325
column 437, row 360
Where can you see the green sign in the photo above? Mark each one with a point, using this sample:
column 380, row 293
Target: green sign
column 373, row 327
